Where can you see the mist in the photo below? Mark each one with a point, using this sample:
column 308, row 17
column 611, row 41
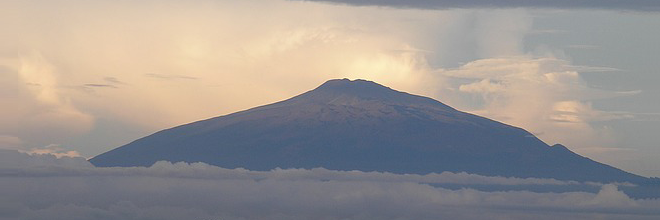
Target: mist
column 47, row 187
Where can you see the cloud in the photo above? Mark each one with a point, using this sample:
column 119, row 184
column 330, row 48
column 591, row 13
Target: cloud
column 544, row 95
column 168, row 76
column 634, row 5
column 99, row 85
column 35, row 108
column 579, row 112
column 484, row 86
column 610, row 196
column 54, row 150
column 255, row 46
column 112, row 80
column 11, row 159
column 45, row 187
column 91, row 87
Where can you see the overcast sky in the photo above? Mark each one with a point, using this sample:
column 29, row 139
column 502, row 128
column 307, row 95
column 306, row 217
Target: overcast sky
column 83, row 77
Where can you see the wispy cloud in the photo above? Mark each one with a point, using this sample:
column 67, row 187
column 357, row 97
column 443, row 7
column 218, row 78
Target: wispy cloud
column 99, row 85
column 113, row 80
column 168, row 76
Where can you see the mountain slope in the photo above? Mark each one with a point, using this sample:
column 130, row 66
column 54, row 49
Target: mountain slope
column 361, row 125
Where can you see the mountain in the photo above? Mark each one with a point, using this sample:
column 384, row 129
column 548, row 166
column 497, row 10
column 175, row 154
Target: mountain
column 361, row 125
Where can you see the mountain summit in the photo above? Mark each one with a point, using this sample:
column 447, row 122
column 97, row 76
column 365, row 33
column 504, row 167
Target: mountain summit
column 347, row 92
column 362, row 125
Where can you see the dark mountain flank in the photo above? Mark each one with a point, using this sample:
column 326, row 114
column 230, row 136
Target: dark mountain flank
column 361, row 125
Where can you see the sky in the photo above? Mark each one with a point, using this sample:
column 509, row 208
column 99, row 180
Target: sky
column 78, row 78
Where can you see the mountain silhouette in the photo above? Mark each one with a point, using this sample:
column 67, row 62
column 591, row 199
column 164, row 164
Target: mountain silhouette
column 362, row 125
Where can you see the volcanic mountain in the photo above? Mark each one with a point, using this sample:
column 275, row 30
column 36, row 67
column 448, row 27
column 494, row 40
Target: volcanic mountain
column 361, row 125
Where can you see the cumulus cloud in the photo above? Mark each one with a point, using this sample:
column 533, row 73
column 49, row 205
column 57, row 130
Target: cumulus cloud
column 45, row 187
column 484, row 86
column 63, row 74
column 233, row 46
column 266, row 48
column 544, row 95
column 635, row 5
column 36, row 111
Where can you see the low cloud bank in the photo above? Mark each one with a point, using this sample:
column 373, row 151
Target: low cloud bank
column 46, row 187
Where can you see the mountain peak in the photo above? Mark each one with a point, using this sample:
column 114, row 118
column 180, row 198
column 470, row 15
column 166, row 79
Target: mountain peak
column 345, row 82
column 358, row 86
column 333, row 82
column 349, row 92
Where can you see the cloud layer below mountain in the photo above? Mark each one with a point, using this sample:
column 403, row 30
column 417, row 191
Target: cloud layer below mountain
column 46, row 187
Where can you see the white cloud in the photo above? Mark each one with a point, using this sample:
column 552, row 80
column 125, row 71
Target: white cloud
column 264, row 47
column 35, row 110
column 484, row 86
column 543, row 95
column 45, row 187
column 610, row 196
column 581, row 112
column 54, row 150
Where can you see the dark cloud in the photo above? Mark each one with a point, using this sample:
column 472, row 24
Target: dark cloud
column 636, row 5
column 112, row 83
column 10, row 159
column 45, row 187
column 91, row 87
column 99, row 85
